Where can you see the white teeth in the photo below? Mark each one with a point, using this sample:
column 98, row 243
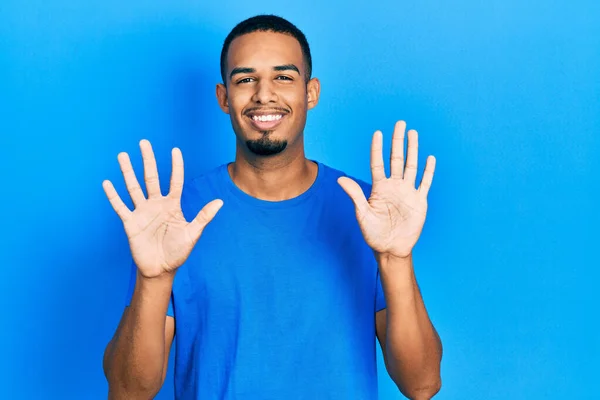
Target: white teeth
column 265, row 118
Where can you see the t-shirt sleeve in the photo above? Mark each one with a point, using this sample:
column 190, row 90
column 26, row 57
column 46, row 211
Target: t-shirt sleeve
column 131, row 288
column 380, row 303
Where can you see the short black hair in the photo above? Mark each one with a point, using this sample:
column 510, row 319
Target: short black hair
column 266, row 23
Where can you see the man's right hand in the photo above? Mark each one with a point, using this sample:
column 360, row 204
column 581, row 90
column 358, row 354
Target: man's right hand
column 159, row 236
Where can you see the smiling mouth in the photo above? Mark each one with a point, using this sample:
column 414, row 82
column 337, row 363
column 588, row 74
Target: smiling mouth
column 264, row 122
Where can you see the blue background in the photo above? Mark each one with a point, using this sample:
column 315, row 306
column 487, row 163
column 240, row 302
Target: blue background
column 505, row 94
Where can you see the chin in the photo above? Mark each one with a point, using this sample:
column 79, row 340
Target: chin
column 266, row 145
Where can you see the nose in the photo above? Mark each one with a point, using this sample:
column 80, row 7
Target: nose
column 264, row 93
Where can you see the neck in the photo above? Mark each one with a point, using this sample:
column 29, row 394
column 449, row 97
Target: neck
column 274, row 178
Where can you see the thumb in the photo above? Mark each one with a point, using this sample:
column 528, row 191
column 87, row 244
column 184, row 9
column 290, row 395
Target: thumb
column 353, row 190
column 205, row 215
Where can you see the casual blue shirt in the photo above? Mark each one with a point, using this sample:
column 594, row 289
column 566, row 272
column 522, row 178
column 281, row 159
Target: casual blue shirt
column 277, row 299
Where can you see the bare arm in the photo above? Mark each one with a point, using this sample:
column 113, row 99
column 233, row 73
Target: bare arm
column 391, row 221
column 135, row 360
column 411, row 346
column 160, row 240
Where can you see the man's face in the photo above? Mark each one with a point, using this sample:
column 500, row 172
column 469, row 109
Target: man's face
column 267, row 96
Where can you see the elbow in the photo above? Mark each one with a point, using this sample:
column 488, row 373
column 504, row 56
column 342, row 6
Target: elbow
column 118, row 391
column 127, row 381
column 424, row 391
column 127, row 386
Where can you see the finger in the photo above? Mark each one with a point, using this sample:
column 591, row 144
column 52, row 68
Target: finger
column 410, row 170
column 131, row 182
column 150, row 170
column 176, row 174
column 397, row 157
column 205, row 215
column 427, row 176
column 355, row 192
column 117, row 204
column 377, row 168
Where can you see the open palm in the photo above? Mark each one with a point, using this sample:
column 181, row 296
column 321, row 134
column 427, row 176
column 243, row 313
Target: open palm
column 160, row 238
column 392, row 219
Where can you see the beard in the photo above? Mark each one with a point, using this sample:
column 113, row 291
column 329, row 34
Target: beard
column 265, row 146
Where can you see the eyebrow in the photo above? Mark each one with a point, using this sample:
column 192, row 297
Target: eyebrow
column 246, row 70
column 287, row 67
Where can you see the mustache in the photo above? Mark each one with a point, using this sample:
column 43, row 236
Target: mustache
column 265, row 109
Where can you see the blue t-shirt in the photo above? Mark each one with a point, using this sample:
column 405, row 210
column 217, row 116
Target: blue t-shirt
column 277, row 299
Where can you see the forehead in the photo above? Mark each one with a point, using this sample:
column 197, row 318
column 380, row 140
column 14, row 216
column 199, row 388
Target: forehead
column 264, row 49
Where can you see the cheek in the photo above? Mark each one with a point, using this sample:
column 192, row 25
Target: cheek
column 302, row 98
column 238, row 99
column 295, row 98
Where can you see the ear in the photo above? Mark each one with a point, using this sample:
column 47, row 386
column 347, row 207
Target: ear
column 222, row 98
column 313, row 89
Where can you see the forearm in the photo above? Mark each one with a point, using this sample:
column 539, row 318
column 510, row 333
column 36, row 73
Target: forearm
column 134, row 359
column 413, row 348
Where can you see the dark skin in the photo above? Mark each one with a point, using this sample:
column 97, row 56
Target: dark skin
column 266, row 74
column 268, row 98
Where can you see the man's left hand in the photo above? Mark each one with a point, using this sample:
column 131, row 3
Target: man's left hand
column 392, row 219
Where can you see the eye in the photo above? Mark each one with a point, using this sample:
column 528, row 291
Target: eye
column 245, row 80
column 284, row 78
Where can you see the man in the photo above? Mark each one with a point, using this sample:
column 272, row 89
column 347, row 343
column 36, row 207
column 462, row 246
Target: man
column 296, row 272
